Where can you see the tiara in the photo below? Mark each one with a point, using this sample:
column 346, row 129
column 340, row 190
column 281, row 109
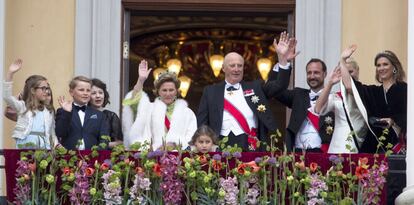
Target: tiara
column 386, row 52
column 166, row 74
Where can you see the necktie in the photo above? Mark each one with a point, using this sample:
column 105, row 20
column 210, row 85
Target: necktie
column 80, row 107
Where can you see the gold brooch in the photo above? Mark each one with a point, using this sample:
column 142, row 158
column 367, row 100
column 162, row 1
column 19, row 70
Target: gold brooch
column 261, row 108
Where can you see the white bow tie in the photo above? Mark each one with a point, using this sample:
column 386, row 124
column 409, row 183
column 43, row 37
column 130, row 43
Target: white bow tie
column 313, row 95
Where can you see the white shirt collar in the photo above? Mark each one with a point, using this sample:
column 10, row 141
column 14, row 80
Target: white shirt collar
column 312, row 94
column 78, row 104
column 237, row 85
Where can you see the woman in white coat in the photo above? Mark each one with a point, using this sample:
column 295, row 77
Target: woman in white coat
column 351, row 121
column 167, row 123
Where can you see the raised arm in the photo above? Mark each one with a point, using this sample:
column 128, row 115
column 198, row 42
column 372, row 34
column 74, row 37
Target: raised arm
column 13, row 68
column 143, row 73
column 346, row 77
column 334, row 78
column 14, row 103
column 285, row 49
column 63, row 118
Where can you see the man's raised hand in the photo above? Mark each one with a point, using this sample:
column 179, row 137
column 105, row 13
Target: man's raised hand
column 285, row 48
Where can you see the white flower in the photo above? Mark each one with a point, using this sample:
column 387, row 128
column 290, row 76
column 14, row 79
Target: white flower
column 328, row 120
column 255, row 99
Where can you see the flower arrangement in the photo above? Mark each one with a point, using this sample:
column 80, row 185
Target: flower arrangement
column 157, row 177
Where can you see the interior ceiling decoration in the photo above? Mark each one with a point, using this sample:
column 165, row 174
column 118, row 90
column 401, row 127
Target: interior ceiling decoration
column 193, row 39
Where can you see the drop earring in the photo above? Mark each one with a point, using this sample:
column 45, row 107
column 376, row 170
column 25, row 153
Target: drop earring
column 394, row 71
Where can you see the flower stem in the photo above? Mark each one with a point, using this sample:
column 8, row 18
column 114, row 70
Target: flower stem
column 95, row 185
column 33, row 187
column 49, row 198
column 126, row 183
column 275, row 181
column 265, row 184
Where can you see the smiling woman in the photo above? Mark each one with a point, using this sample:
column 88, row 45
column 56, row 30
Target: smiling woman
column 167, row 123
column 99, row 99
column 386, row 104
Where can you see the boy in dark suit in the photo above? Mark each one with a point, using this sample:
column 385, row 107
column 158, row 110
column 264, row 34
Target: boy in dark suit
column 79, row 126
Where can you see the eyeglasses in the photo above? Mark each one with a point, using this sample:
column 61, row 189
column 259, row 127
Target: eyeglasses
column 44, row 88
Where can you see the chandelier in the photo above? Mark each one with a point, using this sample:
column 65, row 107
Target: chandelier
column 216, row 58
column 174, row 64
column 189, row 58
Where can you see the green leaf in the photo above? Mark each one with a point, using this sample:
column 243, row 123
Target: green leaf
column 203, row 198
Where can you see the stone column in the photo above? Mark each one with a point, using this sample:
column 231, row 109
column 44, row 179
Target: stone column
column 407, row 197
column 98, row 44
column 2, row 64
column 318, row 31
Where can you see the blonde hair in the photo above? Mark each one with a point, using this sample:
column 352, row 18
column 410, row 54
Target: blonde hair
column 31, row 84
column 353, row 63
column 74, row 82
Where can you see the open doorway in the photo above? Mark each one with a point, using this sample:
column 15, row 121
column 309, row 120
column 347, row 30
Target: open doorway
column 192, row 33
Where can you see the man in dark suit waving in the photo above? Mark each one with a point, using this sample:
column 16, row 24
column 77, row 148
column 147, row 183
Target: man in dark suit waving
column 239, row 109
column 79, row 126
column 306, row 131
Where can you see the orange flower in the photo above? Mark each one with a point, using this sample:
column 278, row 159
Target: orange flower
column 253, row 166
column 240, row 168
column 139, row 170
column 203, row 159
column 89, row 171
column 32, row 167
column 313, row 166
column 360, row 172
column 104, row 166
column 217, row 165
column 157, row 169
column 363, row 162
column 66, row 171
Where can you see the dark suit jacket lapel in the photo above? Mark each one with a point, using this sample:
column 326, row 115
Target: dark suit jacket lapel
column 307, row 100
column 88, row 113
column 77, row 119
column 301, row 112
column 218, row 95
column 245, row 87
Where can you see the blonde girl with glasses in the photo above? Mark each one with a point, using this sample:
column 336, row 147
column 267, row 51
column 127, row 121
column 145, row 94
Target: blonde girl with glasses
column 35, row 114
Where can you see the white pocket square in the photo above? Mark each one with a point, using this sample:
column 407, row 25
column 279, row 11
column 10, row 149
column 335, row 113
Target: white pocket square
column 94, row 116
